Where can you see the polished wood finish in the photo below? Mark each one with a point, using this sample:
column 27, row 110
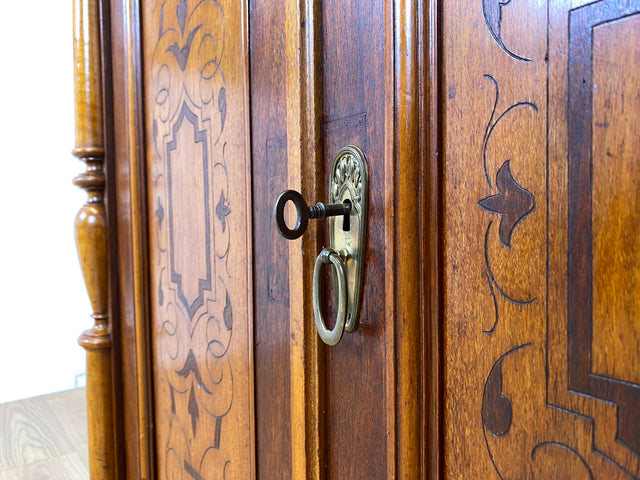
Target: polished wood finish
column 305, row 105
column 271, row 279
column 485, row 340
column 129, row 254
column 616, row 181
column 533, row 134
column 410, row 314
column 91, row 233
column 341, row 89
column 304, row 96
column 198, row 200
column 431, row 242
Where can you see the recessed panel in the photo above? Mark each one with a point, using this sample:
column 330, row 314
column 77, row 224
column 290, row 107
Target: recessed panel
column 616, row 199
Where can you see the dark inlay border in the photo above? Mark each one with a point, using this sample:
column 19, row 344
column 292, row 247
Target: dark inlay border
column 200, row 137
column 581, row 379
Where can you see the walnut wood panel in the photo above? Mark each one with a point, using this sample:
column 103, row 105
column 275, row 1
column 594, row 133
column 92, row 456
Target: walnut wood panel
column 197, row 155
column 616, row 135
column 520, row 397
column 312, row 404
column 616, row 203
column 336, row 95
column 586, row 199
column 270, row 254
column 362, row 82
column 353, row 112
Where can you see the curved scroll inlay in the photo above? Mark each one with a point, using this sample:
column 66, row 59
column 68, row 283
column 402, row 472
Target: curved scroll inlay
column 512, row 202
column 195, row 118
column 560, row 449
column 497, row 413
column 492, row 10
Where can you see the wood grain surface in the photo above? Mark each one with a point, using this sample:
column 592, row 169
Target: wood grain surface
column 92, row 233
column 45, row 437
column 129, row 288
column 616, row 201
column 498, row 334
column 270, row 253
column 341, row 90
column 199, row 206
column 531, row 98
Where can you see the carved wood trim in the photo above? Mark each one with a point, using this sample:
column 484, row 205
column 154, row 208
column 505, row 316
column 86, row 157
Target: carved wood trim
column 129, row 207
column 405, row 238
column 432, row 244
column 91, row 233
column 304, row 106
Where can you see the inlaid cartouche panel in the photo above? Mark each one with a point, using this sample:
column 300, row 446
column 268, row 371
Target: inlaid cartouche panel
column 195, row 66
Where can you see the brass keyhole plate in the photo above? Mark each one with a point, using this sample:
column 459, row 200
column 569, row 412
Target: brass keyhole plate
column 349, row 182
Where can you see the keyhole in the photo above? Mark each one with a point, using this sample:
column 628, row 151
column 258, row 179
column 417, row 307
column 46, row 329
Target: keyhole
column 346, row 219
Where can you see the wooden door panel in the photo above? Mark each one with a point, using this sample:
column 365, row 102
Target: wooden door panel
column 270, row 256
column 603, row 209
column 353, row 102
column 197, row 169
column 540, row 260
column 615, row 121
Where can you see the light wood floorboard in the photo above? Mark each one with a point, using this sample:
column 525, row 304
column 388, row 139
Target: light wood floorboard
column 45, row 437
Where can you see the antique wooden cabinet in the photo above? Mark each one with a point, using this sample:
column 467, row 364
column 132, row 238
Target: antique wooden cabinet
column 499, row 333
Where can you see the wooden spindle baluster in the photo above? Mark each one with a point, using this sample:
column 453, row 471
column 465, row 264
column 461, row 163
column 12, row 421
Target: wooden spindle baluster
column 91, row 233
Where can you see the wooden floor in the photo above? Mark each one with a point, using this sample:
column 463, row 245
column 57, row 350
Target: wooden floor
column 45, row 438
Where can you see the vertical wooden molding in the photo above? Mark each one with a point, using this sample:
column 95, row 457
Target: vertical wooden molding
column 304, row 105
column 129, row 211
column 409, row 294
column 432, row 245
column 91, row 235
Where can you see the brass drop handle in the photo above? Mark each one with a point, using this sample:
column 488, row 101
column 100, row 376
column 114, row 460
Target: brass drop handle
column 329, row 255
column 348, row 198
column 304, row 212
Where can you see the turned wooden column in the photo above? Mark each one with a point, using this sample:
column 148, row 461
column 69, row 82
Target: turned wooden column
column 91, row 235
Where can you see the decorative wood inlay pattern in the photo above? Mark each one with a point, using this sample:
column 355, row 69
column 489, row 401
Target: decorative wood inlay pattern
column 543, row 411
column 580, row 316
column 197, row 170
column 512, row 202
column 492, row 10
column 91, row 233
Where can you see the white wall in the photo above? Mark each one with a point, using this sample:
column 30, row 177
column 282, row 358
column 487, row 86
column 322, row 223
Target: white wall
column 43, row 303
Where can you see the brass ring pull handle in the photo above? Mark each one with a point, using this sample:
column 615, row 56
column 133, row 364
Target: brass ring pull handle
column 329, row 255
column 346, row 214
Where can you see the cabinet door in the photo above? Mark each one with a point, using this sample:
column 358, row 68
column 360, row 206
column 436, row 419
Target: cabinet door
column 326, row 74
column 228, row 104
column 499, row 328
column 541, row 223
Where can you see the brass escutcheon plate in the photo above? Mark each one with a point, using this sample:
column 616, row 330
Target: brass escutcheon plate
column 349, row 182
